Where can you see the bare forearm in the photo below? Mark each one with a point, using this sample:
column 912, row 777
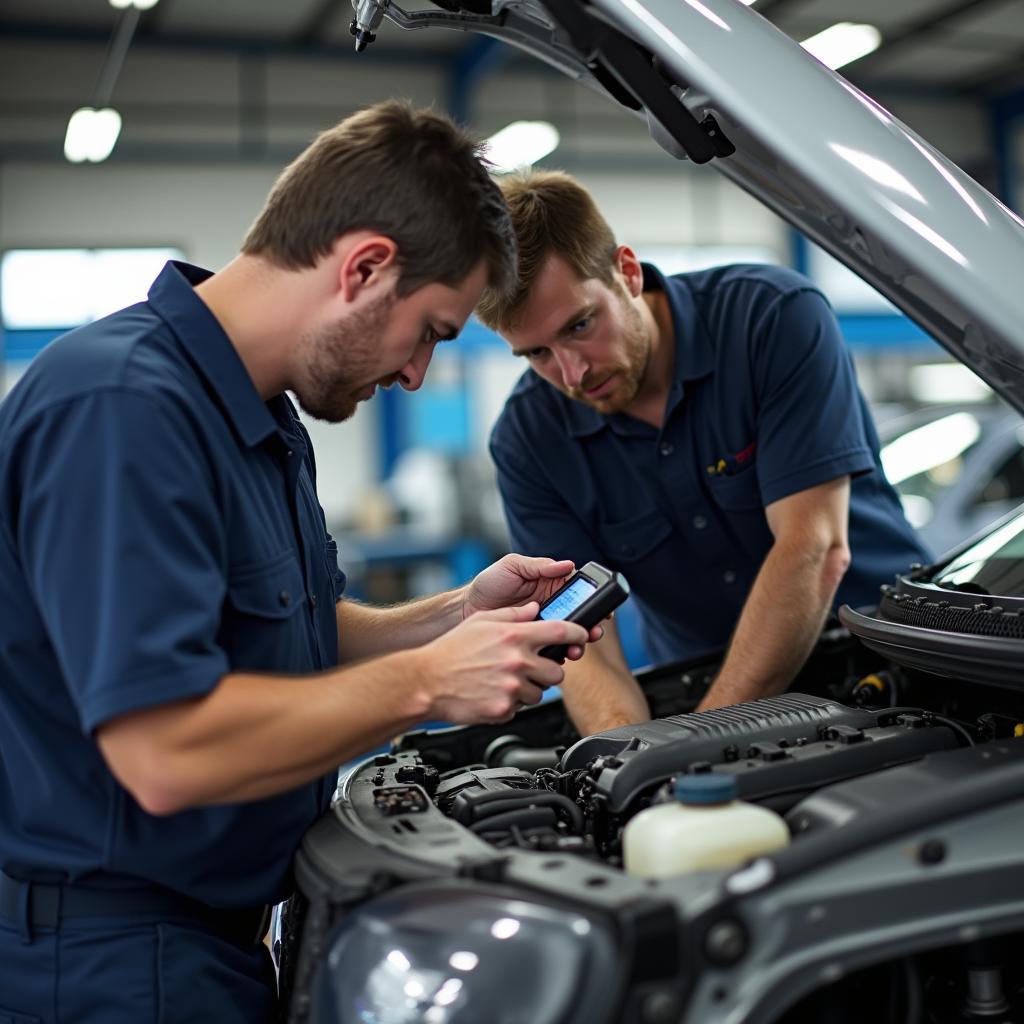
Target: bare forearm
column 780, row 622
column 599, row 690
column 256, row 736
column 259, row 735
column 365, row 631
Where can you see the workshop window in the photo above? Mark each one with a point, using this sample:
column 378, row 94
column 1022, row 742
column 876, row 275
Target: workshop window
column 45, row 292
column 43, row 289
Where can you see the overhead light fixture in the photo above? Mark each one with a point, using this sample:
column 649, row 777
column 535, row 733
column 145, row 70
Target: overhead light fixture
column 93, row 131
column 520, row 145
column 91, row 134
column 843, row 43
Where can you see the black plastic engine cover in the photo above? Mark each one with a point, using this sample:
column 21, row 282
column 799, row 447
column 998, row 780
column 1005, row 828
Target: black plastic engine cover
column 865, row 798
column 774, row 746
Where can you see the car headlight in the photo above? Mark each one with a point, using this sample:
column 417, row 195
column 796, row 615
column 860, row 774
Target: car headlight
column 462, row 953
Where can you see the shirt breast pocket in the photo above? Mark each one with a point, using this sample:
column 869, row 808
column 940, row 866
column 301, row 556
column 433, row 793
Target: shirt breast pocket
column 333, row 569
column 262, row 626
column 632, row 540
column 737, row 492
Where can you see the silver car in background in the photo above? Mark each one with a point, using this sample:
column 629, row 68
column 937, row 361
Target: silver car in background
column 957, row 468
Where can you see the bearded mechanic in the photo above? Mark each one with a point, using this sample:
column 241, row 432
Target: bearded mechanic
column 702, row 433
column 171, row 617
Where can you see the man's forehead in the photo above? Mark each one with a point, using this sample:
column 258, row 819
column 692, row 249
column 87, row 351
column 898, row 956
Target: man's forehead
column 556, row 295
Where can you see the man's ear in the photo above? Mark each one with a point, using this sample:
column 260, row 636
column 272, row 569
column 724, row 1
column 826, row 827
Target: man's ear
column 368, row 263
column 627, row 264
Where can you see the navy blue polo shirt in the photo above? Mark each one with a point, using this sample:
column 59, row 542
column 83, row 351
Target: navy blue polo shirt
column 159, row 527
column 764, row 403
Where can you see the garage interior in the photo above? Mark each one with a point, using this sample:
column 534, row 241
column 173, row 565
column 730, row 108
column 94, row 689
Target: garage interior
column 216, row 96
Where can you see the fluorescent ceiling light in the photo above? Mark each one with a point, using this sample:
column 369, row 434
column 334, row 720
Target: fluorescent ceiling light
column 520, row 144
column 142, row 5
column 91, row 134
column 843, row 43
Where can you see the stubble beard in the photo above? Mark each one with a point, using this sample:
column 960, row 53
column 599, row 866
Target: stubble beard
column 340, row 359
column 631, row 371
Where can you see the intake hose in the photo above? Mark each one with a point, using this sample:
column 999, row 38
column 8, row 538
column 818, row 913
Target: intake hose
column 522, row 817
column 514, row 752
column 473, row 810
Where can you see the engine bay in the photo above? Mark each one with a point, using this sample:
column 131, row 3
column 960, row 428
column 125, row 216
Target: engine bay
column 782, row 751
column 865, row 759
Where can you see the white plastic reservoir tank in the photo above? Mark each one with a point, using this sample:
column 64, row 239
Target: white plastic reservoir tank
column 704, row 828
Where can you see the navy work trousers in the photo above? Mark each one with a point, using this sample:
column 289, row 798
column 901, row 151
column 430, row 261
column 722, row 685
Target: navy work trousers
column 131, row 970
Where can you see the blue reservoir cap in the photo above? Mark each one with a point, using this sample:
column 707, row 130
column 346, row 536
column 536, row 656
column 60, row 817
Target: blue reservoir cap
column 710, row 788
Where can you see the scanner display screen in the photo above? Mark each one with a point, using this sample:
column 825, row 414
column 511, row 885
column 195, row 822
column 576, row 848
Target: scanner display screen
column 568, row 600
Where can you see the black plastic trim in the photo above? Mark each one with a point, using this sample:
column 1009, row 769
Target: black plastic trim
column 993, row 775
column 609, row 53
column 998, row 661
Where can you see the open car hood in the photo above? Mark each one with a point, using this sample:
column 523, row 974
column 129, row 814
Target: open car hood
column 718, row 83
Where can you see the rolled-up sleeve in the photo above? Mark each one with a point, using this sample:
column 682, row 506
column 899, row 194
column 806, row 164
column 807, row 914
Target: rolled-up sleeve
column 123, row 550
column 810, row 417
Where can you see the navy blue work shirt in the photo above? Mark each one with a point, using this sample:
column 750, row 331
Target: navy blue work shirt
column 764, row 403
column 159, row 528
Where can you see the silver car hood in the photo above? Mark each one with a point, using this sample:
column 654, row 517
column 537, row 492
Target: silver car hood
column 810, row 146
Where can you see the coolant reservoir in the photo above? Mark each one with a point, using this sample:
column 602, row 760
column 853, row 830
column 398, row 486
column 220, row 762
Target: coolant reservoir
column 704, row 828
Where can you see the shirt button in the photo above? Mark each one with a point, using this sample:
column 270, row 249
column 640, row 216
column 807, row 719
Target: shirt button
column 699, row 522
column 312, row 600
column 667, row 448
column 284, row 598
column 729, row 576
column 290, row 453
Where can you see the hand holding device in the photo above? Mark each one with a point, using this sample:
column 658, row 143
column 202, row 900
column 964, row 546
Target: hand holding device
column 589, row 595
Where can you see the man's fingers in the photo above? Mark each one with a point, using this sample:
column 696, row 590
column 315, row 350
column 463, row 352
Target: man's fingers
column 530, row 694
column 554, row 570
column 545, row 672
column 555, row 632
column 536, row 567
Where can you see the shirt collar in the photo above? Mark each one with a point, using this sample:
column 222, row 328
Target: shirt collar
column 173, row 298
column 694, row 356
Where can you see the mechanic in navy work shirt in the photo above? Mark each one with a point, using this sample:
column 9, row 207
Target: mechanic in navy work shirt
column 704, row 434
column 171, row 621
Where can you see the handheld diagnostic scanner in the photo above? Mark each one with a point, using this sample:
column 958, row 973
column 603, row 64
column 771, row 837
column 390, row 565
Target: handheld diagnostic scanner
column 589, row 595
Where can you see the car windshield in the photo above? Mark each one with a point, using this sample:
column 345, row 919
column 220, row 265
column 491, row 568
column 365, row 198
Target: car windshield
column 995, row 565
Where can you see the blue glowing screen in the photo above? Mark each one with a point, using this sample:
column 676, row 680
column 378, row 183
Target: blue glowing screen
column 568, row 600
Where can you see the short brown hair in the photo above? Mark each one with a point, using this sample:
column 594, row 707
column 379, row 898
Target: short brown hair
column 552, row 214
column 412, row 175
